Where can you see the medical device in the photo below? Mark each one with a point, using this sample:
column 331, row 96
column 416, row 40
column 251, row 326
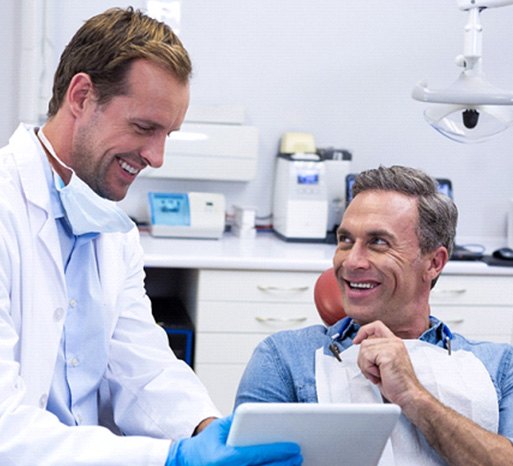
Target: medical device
column 300, row 202
column 337, row 164
column 471, row 109
column 187, row 215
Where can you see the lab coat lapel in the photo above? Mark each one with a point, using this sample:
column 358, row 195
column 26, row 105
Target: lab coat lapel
column 33, row 183
column 44, row 308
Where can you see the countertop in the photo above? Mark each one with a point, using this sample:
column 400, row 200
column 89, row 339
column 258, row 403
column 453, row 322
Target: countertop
column 265, row 252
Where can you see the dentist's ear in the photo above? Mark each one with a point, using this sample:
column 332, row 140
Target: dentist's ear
column 80, row 92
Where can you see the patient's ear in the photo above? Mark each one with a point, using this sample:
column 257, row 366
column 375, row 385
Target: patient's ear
column 437, row 260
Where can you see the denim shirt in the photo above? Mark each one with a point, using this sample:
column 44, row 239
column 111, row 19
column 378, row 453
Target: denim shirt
column 282, row 368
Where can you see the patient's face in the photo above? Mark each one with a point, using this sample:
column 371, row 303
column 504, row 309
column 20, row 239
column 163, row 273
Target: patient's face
column 378, row 262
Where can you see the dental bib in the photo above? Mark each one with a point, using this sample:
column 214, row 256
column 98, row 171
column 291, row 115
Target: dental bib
column 85, row 210
column 459, row 381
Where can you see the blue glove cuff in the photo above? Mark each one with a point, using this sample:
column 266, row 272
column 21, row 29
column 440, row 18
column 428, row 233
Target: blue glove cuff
column 174, row 457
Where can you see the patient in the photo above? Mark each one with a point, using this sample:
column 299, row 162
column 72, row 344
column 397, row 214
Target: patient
column 456, row 395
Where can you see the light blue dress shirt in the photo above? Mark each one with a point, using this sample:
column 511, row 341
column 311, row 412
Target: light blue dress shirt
column 282, row 368
column 82, row 357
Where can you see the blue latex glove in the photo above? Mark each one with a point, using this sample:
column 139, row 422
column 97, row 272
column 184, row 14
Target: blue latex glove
column 209, row 448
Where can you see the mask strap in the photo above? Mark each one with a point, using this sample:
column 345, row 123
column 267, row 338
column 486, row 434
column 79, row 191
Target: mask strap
column 48, row 146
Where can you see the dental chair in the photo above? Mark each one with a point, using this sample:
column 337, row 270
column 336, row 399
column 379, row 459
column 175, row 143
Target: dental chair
column 328, row 297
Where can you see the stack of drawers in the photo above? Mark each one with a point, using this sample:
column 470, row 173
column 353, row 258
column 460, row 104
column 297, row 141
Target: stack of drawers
column 236, row 309
column 479, row 307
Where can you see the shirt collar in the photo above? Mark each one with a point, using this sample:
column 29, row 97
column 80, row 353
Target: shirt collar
column 346, row 329
column 437, row 333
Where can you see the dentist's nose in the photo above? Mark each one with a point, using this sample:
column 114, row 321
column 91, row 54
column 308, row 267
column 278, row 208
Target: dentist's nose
column 154, row 152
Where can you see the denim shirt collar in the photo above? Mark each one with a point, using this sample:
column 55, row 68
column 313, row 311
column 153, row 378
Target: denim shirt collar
column 343, row 332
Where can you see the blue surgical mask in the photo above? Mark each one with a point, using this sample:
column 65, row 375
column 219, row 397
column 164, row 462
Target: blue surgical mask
column 86, row 211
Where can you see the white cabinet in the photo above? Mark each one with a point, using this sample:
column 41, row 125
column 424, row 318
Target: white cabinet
column 235, row 310
column 479, row 307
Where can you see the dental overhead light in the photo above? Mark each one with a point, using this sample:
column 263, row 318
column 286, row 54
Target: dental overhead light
column 470, row 109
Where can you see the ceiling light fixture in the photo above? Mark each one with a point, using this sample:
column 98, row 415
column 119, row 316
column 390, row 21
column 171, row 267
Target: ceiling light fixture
column 471, row 109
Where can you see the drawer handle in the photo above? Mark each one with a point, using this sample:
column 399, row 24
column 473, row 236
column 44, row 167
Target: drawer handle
column 455, row 292
column 278, row 289
column 280, row 320
column 459, row 320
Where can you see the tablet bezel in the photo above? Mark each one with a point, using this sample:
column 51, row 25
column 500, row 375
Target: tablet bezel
column 354, row 432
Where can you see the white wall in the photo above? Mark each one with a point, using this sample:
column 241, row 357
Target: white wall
column 9, row 38
column 342, row 70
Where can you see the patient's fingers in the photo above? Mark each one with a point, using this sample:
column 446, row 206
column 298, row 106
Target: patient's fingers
column 375, row 329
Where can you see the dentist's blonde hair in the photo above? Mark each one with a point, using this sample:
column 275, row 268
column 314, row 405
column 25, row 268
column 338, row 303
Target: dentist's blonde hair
column 106, row 45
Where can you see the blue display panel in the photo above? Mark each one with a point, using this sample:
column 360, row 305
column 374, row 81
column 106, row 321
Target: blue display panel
column 170, row 209
column 308, row 178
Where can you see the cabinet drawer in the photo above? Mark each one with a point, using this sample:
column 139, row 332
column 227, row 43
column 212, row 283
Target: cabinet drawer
column 218, row 316
column 230, row 348
column 257, row 286
column 476, row 323
column 473, row 290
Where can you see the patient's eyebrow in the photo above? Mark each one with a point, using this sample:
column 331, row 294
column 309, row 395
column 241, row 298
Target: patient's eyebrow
column 381, row 233
column 376, row 233
column 343, row 232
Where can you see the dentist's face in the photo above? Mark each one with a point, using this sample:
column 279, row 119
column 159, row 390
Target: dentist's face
column 113, row 142
column 378, row 262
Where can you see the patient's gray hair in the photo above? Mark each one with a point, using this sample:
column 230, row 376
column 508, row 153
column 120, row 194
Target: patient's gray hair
column 438, row 215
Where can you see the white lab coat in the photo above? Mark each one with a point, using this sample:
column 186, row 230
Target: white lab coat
column 154, row 397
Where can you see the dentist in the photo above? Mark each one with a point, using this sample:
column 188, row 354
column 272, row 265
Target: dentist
column 86, row 375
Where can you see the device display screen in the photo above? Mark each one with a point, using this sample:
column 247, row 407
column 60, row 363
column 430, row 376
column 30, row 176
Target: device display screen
column 170, row 209
column 308, row 178
column 445, row 186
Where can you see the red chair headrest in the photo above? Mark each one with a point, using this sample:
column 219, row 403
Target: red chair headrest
column 328, row 297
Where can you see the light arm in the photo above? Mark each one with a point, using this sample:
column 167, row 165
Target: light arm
column 472, row 42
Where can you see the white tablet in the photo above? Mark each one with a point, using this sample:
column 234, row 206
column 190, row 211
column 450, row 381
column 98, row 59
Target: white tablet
column 328, row 434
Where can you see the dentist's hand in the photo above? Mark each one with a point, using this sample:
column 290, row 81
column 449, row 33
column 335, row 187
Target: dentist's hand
column 209, row 448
